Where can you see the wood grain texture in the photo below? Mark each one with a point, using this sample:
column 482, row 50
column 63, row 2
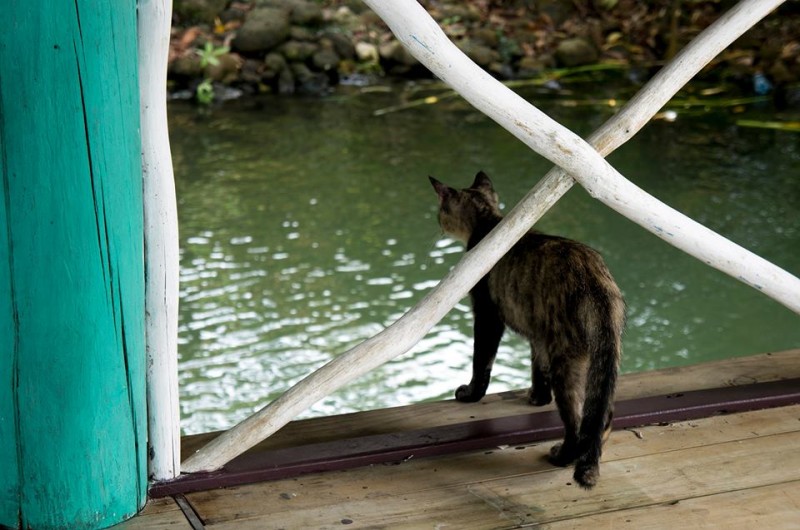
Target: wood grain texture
column 158, row 514
column 725, row 465
column 774, row 506
column 72, row 252
column 351, row 452
column 719, row 465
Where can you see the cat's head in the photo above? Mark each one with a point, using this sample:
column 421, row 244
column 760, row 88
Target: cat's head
column 460, row 211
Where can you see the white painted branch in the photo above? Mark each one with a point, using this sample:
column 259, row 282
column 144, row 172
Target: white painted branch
column 425, row 40
column 161, row 243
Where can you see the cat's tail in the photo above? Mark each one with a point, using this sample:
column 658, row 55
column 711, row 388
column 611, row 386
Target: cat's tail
column 601, row 381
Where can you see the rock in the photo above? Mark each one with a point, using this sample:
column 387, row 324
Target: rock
column 325, row 59
column 501, row 70
column 226, row 70
column 394, row 51
column 575, row 52
column 264, row 29
column 482, row 55
column 304, row 12
column 198, row 11
column 298, row 51
column 302, row 73
column 274, row 64
column 356, row 6
column 557, row 10
column 462, row 13
column 226, row 93
column 342, row 44
column 301, row 33
column 286, row 85
column 232, row 14
column 253, row 71
column 187, row 66
column 344, row 16
column 486, row 36
column 308, row 82
column 370, row 19
column 533, row 66
column 367, row 52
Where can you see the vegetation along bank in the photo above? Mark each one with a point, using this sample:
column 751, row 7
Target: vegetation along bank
column 222, row 49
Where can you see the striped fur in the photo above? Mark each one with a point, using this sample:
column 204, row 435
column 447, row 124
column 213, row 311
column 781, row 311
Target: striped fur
column 559, row 295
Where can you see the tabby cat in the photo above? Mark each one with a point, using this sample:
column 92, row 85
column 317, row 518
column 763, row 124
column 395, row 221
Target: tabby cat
column 559, row 295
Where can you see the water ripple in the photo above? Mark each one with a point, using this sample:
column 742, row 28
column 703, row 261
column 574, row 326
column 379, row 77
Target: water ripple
column 301, row 237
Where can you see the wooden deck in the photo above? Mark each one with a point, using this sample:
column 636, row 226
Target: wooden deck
column 738, row 470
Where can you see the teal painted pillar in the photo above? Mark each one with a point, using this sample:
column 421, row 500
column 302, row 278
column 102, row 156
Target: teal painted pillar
column 72, row 352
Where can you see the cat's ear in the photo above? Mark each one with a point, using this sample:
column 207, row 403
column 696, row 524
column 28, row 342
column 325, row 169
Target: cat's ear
column 442, row 190
column 482, row 182
column 484, row 185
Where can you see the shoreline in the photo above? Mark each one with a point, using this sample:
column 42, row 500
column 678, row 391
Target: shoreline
column 221, row 50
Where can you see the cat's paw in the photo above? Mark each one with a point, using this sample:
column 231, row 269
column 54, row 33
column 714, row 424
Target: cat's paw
column 561, row 456
column 586, row 475
column 468, row 394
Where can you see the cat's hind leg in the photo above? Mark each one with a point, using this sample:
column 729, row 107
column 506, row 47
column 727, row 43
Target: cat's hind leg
column 568, row 381
column 541, row 392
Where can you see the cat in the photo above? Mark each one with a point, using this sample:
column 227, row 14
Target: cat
column 559, row 295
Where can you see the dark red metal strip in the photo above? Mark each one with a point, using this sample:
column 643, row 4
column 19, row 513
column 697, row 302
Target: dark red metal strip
column 475, row 435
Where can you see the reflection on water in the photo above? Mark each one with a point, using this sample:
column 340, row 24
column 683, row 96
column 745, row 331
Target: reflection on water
column 309, row 225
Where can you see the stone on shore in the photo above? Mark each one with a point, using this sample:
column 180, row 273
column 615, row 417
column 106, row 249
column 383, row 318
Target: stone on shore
column 264, row 29
column 575, row 52
column 198, row 11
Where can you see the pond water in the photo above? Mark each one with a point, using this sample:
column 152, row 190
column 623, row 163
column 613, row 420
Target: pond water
column 308, row 225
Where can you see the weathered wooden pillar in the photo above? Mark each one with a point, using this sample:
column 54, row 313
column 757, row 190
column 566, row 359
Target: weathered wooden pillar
column 72, row 385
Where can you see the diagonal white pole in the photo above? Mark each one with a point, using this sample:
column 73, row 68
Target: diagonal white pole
column 161, row 243
column 423, row 37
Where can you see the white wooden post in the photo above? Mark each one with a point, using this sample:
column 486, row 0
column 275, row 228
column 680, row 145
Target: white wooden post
column 161, row 243
column 423, row 37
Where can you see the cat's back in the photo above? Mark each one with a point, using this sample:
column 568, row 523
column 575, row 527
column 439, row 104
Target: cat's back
column 539, row 253
column 547, row 277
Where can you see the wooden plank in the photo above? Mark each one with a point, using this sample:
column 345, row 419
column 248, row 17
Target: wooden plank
column 457, row 507
column 773, row 506
column 443, row 481
column 475, row 435
column 660, row 478
column 528, row 499
column 770, row 366
column 157, row 514
column 744, row 370
column 321, row 436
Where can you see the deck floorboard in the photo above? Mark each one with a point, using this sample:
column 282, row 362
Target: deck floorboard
column 738, row 470
column 716, row 459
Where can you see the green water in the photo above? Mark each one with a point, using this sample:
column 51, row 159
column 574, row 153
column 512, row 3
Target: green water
column 308, row 225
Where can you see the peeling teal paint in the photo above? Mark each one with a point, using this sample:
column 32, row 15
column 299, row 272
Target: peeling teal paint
column 72, row 394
